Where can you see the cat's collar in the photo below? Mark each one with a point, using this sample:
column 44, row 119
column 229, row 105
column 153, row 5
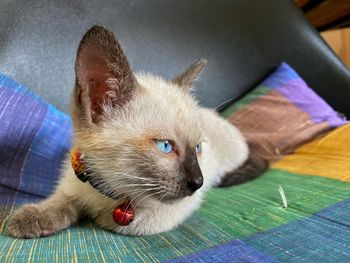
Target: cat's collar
column 123, row 214
column 83, row 173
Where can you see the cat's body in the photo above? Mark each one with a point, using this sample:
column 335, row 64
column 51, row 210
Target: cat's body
column 153, row 216
column 120, row 119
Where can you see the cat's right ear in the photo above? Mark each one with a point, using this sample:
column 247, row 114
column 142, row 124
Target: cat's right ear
column 104, row 79
column 186, row 79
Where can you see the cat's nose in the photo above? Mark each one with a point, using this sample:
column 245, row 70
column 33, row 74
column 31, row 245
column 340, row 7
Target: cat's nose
column 193, row 173
column 195, row 183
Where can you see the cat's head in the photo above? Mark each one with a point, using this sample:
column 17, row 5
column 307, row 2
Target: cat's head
column 140, row 134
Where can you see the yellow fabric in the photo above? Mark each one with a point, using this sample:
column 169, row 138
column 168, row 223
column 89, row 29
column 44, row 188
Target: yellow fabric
column 328, row 156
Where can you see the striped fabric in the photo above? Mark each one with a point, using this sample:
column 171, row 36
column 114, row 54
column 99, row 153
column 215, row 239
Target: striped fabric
column 281, row 114
column 246, row 223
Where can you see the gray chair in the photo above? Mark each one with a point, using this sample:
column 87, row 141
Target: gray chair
column 242, row 40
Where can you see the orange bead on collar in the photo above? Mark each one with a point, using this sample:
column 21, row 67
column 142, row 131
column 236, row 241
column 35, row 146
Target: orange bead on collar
column 78, row 165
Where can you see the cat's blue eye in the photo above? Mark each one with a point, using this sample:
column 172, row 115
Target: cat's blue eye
column 164, row 146
column 199, row 148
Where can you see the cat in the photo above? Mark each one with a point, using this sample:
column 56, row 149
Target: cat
column 142, row 139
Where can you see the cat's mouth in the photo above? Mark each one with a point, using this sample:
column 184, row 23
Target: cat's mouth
column 174, row 194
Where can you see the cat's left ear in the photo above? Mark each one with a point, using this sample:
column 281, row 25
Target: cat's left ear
column 186, row 79
column 104, row 78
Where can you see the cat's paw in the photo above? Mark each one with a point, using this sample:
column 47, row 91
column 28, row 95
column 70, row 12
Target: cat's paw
column 30, row 221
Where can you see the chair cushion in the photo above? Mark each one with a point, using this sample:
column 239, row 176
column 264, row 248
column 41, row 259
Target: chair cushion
column 282, row 113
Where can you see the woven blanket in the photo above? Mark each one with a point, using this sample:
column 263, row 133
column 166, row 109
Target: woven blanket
column 246, row 223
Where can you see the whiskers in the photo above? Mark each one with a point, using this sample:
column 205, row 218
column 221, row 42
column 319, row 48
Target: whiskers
column 120, row 185
column 126, row 183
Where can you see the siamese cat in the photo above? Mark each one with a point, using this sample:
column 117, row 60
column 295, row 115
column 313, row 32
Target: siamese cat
column 143, row 140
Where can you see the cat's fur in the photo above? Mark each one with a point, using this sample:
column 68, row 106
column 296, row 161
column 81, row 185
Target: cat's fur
column 117, row 116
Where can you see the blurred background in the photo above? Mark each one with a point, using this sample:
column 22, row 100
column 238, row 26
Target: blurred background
column 243, row 41
column 332, row 19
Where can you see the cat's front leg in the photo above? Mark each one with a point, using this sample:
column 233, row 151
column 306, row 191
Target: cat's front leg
column 45, row 218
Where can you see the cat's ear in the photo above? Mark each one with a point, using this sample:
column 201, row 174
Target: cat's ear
column 104, row 78
column 186, row 79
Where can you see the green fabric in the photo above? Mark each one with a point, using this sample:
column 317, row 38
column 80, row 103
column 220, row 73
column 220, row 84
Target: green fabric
column 257, row 206
column 88, row 243
column 250, row 97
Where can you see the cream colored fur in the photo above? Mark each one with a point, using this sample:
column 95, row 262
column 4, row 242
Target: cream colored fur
column 224, row 150
column 117, row 137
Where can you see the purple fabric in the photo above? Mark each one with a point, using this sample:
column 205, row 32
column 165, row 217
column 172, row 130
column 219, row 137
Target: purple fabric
column 34, row 137
column 46, row 154
column 20, row 118
column 297, row 92
column 289, row 84
column 234, row 251
column 281, row 75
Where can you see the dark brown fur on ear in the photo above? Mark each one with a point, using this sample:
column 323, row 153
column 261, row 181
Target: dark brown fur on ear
column 249, row 170
column 103, row 74
column 186, row 79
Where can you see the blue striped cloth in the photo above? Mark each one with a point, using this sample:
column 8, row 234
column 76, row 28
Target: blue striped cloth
column 34, row 138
